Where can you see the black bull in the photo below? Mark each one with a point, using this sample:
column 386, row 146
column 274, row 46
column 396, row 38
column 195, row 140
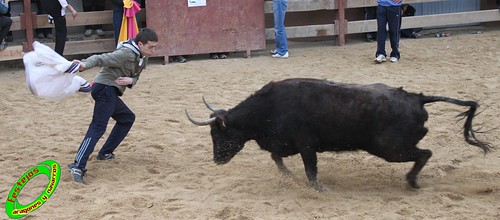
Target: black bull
column 306, row 116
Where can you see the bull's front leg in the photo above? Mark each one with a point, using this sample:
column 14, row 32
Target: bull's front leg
column 281, row 166
column 310, row 164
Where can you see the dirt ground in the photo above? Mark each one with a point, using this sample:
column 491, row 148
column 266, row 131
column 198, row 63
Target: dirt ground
column 164, row 168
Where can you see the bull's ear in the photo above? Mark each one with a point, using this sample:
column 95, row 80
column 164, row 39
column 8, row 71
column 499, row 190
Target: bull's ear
column 221, row 119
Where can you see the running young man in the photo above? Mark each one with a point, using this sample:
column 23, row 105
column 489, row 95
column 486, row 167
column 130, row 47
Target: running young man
column 120, row 69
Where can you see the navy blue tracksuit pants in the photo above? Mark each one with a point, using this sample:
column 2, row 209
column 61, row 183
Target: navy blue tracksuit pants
column 107, row 105
column 390, row 15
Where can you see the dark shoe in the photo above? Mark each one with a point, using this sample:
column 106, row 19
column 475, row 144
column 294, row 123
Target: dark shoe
column 77, row 173
column 222, row 56
column 85, row 88
column 3, row 45
column 180, row 59
column 415, row 35
column 109, row 156
column 214, row 56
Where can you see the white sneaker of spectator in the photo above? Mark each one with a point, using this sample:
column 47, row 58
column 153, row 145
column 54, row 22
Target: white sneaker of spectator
column 88, row 32
column 99, row 32
column 380, row 58
column 280, row 56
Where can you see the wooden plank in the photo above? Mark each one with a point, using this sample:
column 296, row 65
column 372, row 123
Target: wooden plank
column 89, row 46
column 304, row 31
column 369, row 3
column 303, row 5
column 72, row 48
column 314, row 5
column 451, row 19
column 16, row 23
column 437, row 20
column 12, row 53
column 85, row 18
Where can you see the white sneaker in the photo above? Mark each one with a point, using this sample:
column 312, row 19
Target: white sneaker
column 88, row 32
column 99, row 32
column 273, row 51
column 394, row 59
column 380, row 58
column 284, row 56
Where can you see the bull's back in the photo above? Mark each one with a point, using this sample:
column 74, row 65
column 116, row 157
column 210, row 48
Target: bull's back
column 342, row 115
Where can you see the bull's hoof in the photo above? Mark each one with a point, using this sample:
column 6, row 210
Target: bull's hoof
column 413, row 182
column 317, row 187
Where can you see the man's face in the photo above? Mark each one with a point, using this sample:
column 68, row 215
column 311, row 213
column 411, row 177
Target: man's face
column 147, row 49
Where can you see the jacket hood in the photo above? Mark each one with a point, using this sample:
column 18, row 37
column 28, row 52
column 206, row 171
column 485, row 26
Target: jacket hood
column 130, row 44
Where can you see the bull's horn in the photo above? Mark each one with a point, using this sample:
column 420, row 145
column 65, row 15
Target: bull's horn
column 214, row 109
column 200, row 123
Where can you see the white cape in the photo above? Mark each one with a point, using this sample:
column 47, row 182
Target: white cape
column 50, row 75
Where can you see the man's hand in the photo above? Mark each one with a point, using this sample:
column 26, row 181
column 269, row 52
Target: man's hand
column 74, row 13
column 82, row 65
column 123, row 81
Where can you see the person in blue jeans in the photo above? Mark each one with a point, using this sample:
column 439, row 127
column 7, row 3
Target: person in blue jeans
column 279, row 10
column 388, row 13
column 120, row 70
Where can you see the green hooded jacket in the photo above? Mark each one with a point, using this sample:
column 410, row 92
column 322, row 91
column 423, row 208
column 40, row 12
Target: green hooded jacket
column 125, row 61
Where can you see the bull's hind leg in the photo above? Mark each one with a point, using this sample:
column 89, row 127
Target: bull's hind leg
column 281, row 166
column 405, row 154
column 420, row 157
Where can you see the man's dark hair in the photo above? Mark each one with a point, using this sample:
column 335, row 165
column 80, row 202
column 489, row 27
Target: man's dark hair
column 146, row 35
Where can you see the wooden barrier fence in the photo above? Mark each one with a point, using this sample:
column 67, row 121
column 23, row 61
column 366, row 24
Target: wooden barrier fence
column 339, row 27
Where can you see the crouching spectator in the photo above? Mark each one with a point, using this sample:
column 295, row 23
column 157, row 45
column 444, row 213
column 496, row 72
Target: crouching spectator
column 409, row 10
column 5, row 23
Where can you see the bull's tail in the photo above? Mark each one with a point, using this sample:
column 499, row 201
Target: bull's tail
column 469, row 133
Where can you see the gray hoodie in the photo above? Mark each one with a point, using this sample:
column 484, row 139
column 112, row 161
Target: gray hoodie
column 125, row 61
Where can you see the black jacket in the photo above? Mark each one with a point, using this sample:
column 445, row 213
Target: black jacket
column 52, row 7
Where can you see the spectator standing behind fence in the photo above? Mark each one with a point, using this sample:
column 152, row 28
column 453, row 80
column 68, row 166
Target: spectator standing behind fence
column 42, row 32
column 5, row 23
column 117, row 18
column 57, row 10
column 279, row 10
column 93, row 5
column 388, row 12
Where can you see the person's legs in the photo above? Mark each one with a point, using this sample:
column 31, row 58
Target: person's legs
column 371, row 13
column 279, row 10
column 99, row 5
column 88, row 6
column 42, row 32
column 5, row 24
column 381, row 30
column 61, row 33
column 93, row 5
column 105, row 98
column 124, row 118
column 117, row 22
column 394, row 21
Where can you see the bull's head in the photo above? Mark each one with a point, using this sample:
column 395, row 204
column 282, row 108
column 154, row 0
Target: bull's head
column 227, row 140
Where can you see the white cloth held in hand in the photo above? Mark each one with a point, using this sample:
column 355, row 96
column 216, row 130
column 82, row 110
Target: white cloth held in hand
column 50, row 75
